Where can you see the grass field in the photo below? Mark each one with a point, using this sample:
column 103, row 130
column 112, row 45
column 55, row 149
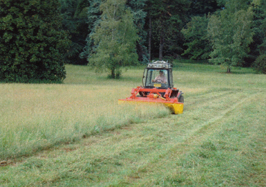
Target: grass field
column 75, row 134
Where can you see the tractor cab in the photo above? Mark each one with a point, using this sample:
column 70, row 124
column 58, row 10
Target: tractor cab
column 158, row 74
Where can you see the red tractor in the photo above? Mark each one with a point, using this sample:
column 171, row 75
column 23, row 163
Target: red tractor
column 158, row 88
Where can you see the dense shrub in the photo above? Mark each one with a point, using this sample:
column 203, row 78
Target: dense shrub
column 260, row 64
column 32, row 43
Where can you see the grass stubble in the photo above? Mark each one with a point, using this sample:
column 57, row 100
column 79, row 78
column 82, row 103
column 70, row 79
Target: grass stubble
column 219, row 140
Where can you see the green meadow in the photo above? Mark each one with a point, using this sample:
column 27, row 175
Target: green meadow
column 76, row 134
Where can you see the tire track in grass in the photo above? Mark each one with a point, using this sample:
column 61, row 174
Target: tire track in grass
column 194, row 102
column 244, row 171
column 192, row 139
column 209, row 94
column 199, row 101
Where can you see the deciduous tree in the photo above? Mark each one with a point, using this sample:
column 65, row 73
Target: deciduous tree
column 136, row 7
column 231, row 34
column 197, row 39
column 115, row 38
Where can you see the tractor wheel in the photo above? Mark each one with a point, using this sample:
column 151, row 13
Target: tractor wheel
column 181, row 99
column 143, row 94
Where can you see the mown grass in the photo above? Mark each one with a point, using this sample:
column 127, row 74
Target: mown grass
column 227, row 152
column 219, row 140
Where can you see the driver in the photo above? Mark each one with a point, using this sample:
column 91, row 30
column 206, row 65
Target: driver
column 160, row 78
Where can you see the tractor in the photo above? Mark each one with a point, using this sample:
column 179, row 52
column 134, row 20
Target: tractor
column 157, row 88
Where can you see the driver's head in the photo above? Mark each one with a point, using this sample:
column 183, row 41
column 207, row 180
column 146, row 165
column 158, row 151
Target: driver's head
column 161, row 72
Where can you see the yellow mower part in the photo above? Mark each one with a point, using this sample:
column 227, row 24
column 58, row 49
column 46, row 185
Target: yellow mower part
column 176, row 108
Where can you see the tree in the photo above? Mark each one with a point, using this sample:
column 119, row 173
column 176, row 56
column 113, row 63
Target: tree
column 115, row 38
column 74, row 13
column 31, row 41
column 195, row 31
column 197, row 39
column 260, row 64
column 203, row 7
column 93, row 20
column 165, row 21
column 231, row 34
column 260, row 36
column 139, row 15
column 258, row 28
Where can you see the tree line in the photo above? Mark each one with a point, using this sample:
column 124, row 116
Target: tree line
column 37, row 37
column 230, row 33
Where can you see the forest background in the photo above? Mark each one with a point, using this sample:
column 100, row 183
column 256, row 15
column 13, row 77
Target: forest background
column 225, row 32
column 85, row 32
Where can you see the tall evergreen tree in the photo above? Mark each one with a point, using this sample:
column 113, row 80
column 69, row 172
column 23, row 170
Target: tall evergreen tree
column 115, row 38
column 203, row 7
column 31, row 41
column 231, row 34
column 93, row 20
column 139, row 15
column 74, row 14
column 259, row 11
column 166, row 19
column 259, row 44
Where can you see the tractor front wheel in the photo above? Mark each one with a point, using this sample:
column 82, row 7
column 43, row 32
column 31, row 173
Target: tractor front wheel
column 181, row 99
column 143, row 94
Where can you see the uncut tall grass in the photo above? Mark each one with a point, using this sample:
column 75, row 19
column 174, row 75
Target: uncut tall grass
column 39, row 116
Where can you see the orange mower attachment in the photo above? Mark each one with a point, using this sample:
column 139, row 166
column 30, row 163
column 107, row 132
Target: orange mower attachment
column 155, row 97
column 157, row 88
